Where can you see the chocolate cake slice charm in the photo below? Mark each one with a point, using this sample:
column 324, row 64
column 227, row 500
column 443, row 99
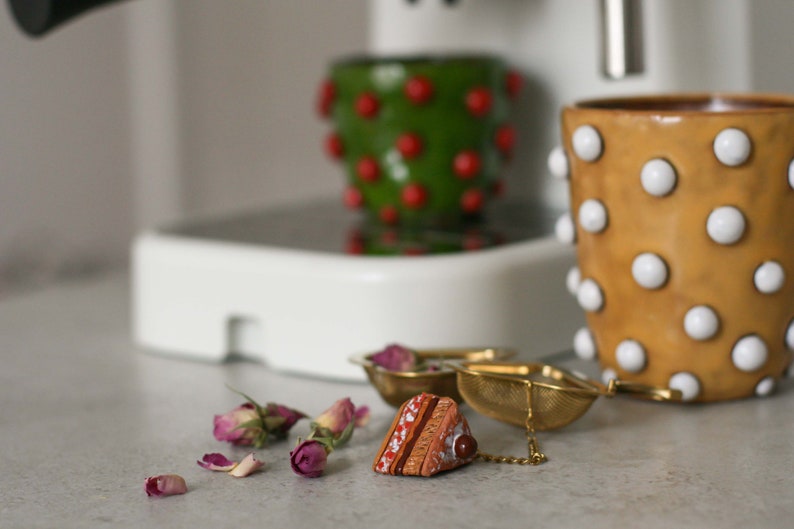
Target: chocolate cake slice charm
column 428, row 435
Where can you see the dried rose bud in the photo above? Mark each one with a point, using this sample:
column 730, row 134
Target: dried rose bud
column 395, row 357
column 335, row 419
column 308, row 459
column 251, row 424
column 217, row 462
column 165, row 485
column 240, row 426
column 279, row 419
column 247, row 466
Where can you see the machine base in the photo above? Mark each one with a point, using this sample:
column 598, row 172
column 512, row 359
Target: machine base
column 200, row 293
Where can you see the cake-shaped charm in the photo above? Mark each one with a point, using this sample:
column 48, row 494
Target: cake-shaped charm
column 428, row 436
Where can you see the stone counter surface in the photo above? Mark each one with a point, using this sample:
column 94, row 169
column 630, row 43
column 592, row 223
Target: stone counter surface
column 86, row 417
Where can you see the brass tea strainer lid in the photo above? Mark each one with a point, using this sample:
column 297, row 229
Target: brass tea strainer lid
column 537, row 396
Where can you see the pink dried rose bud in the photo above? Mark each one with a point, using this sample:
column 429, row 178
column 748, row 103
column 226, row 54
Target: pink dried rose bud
column 395, row 357
column 309, row 458
column 247, row 466
column 217, row 462
column 253, row 425
column 330, row 430
column 240, row 426
column 280, row 419
column 165, row 485
column 335, row 419
column 335, row 426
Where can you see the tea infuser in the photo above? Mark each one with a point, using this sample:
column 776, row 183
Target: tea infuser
column 539, row 397
column 395, row 387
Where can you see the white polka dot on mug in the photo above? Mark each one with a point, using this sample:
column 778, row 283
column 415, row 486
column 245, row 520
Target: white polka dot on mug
column 557, row 163
column 769, row 277
column 608, row 375
column 587, row 143
column 765, row 387
column 590, row 296
column 564, row 229
column 584, row 344
column 726, row 225
column 749, row 353
column 593, row 216
column 649, row 270
column 791, row 174
column 790, row 336
column 658, row 177
column 630, row 355
column 572, row 280
column 687, row 383
column 701, row 323
column 732, row 147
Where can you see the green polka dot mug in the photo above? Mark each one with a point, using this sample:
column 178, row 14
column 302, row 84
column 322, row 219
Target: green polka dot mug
column 682, row 213
column 423, row 139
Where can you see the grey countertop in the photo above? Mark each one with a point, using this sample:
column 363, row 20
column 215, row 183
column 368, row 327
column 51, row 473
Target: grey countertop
column 86, row 417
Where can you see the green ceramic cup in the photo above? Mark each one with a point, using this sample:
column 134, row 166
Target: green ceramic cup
column 423, row 140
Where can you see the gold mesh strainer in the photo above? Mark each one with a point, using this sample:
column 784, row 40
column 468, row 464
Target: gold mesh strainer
column 539, row 397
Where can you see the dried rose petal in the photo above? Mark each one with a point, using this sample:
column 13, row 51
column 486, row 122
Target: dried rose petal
column 165, row 485
column 217, row 462
column 395, row 357
column 247, row 466
column 308, row 459
column 361, row 416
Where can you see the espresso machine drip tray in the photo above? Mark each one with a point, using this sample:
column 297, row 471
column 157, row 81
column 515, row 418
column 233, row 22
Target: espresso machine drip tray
column 302, row 288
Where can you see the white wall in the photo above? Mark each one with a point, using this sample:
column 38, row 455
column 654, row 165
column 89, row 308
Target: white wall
column 772, row 45
column 64, row 156
column 249, row 73
column 154, row 110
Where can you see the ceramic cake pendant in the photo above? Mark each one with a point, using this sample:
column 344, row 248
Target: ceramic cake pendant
column 428, row 435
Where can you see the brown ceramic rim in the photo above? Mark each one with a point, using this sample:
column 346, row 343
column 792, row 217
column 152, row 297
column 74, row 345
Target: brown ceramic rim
column 696, row 103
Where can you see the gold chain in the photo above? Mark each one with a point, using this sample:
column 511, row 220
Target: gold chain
column 535, row 456
column 537, row 459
